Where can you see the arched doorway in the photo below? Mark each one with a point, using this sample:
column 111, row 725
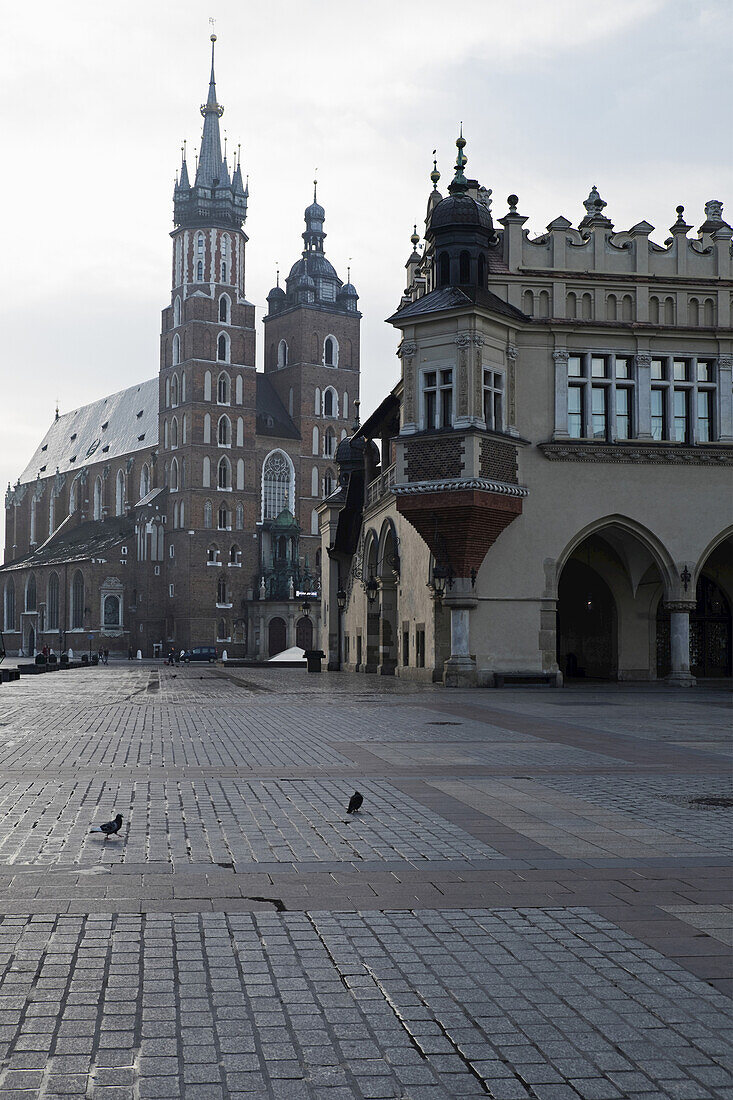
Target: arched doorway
column 276, row 637
column 611, row 579
column 372, row 607
column 30, row 644
column 388, row 577
column 586, row 624
column 304, row 633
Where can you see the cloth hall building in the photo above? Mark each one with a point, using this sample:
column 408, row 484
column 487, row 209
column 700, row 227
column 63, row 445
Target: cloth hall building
column 183, row 511
column 546, row 492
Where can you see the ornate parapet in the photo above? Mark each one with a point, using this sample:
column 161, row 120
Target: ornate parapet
column 647, row 454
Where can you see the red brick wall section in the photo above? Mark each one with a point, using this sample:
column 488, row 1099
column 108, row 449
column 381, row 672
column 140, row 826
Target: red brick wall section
column 460, row 526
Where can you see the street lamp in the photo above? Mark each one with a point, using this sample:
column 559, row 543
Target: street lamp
column 372, row 588
column 442, row 575
column 341, row 599
column 305, row 607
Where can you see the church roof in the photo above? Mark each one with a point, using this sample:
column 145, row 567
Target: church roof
column 272, row 416
column 116, row 425
column 87, row 540
column 453, row 297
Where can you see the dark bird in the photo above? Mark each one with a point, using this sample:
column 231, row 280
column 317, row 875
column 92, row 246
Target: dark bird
column 355, row 802
column 109, row 828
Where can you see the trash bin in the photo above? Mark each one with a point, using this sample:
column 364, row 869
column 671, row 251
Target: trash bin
column 314, row 658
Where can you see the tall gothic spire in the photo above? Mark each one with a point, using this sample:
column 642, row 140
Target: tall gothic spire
column 210, row 171
column 215, row 197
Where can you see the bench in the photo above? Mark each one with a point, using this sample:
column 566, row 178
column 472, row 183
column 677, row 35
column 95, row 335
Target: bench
column 527, row 679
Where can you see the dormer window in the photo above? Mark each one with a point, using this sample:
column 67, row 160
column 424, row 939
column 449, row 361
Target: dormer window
column 44, row 447
column 139, row 414
column 73, row 437
column 105, row 425
column 437, row 387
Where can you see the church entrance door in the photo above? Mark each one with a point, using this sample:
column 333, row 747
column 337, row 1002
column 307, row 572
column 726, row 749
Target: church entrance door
column 276, row 637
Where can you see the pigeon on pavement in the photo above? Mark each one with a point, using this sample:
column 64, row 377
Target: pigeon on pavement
column 109, row 828
column 355, row 802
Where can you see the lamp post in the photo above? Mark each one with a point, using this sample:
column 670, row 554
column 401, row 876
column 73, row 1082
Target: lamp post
column 372, row 588
column 341, row 605
column 305, row 607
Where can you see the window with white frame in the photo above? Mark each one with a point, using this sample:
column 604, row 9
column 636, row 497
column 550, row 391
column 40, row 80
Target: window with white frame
column 223, row 389
column 683, row 399
column 437, row 395
column 494, row 400
column 329, row 443
column 600, row 396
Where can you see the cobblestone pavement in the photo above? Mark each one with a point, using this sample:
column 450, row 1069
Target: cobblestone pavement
column 533, row 902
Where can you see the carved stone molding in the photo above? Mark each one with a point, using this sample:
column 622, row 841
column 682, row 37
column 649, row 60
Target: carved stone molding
column 649, row 455
column 463, row 340
column 684, row 606
column 478, row 340
column 561, row 356
column 725, row 362
column 406, row 349
column 461, row 485
column 643, row 358
column 511, row 352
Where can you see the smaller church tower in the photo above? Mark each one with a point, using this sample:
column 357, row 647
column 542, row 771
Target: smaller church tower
column 312, row 361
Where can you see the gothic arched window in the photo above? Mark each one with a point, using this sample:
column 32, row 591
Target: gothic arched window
column 10, row 605
column 224, row 432
column 277, row 485
column 200, row 271
column 174, row 432
column 120, row 493
column 224, row 308
column 77, row 601
column 144, row 481
column 329, row 443
column 225, row 521
column 223, row 389
column 224, row 474
column 98, row 498
column 331, row 352
column 222, row 348
column 282, row 354
column 176, row 357
column 208, row 515
column 329, row 404
column 239, row 521
column 174, row 389
column 177, row 310
column 52, row 602
column 221, row 590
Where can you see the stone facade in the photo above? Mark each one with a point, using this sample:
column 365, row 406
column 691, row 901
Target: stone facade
column 550, row 496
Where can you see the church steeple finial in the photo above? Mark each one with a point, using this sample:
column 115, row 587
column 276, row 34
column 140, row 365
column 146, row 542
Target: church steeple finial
column 435, row 174
column 460, row 183
column 209, row 170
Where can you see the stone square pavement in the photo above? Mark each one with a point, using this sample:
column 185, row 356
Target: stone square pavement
column 534, row 901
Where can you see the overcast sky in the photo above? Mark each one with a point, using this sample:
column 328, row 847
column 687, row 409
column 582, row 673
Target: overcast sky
column 554, row 95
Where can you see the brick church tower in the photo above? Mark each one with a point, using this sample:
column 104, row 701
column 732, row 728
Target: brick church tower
column 207, row 397
column 312, row 362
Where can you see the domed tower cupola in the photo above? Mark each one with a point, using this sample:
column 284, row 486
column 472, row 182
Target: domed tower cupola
column 276, row 299
column 460, row 231
column 315, row 216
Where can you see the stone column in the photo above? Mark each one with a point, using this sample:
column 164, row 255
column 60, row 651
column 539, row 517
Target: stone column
column 560, row 358
column 460, row 668
column 725, row 373
column 679, row 631
column 510, row 395
column 410, row 414
column 643, row 411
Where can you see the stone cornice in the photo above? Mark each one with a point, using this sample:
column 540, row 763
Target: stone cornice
column 458, row 484
column 623, row 277
column 647, row 454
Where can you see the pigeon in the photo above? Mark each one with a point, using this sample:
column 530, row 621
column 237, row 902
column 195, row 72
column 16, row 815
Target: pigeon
column 355, row 802
column 109, row 828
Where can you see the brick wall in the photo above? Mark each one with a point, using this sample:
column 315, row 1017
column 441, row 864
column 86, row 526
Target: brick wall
column 434, row 457
column 498, row 461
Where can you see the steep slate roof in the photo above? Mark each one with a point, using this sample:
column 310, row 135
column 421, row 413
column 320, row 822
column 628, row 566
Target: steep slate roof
column 453, row 297
column 89, row 540
column 104, row 430
column 271, row 408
